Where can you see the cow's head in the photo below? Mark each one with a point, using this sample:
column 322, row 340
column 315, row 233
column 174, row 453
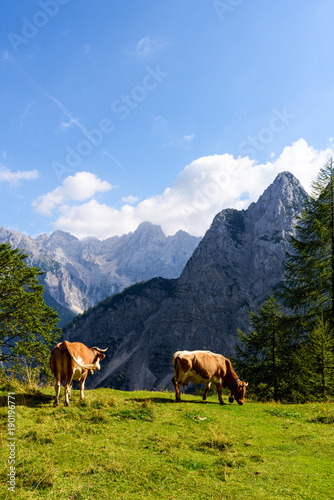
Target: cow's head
column 239, row 391
column 98, row 356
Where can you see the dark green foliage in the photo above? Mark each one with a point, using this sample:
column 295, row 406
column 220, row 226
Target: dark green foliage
column 267, row 357
column 27, row 325
column 318, row 351
column 308, row 287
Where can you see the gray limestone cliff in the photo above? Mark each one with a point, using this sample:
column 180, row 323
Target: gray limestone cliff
column 233, row 269
column 80, row 273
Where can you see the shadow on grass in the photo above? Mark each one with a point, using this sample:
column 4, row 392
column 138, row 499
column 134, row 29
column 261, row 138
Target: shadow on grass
column 172, row 401
column 35, row 400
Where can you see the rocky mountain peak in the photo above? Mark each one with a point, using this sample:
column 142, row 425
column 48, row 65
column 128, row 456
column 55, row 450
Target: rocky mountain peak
column 62, row 237
column 284, row 192
column 147, row 231
column 275, row 213
column 80, row 273
column 232, row 271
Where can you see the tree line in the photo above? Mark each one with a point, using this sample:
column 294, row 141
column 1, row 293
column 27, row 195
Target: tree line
column 288, row 352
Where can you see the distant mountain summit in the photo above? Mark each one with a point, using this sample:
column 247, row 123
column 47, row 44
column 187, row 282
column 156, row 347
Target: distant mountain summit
column 233, row 269
column 80, row 273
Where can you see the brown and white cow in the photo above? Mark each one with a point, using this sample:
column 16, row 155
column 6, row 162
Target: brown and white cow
column 71, row 361
column 206, row 367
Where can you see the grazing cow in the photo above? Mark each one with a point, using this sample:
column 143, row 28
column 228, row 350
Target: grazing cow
column 206, row 367
column 71, row 361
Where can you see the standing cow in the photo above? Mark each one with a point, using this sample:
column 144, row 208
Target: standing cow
column 206, row 367
column 71, row 361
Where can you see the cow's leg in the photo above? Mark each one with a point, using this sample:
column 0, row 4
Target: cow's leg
column 206, row 390
column 219, row 391
column 68, row 387
column 177, row 390
column 67, row 397
column 82, row 385
column 57, row 389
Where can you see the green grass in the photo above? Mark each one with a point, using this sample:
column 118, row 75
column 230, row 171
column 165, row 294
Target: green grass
column 142, row 445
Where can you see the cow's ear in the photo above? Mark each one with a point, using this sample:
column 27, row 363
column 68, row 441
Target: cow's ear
column 101, row 355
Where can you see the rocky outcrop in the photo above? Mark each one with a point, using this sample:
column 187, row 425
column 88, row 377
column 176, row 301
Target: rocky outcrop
column 80, row 273
column 118, row 323
column 234, row 269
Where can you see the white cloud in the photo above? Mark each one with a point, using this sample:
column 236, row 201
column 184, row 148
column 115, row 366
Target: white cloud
column 201, row 190
column 14, row 178
column 189, row 138
column 80, row 187
column 99, row 220
column 180, row 142
column 303, row 161
column 130, row 199
column 64, row 125
column 146, row 48
column 160, row 119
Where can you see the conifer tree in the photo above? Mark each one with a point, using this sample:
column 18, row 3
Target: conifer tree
column 318, row 354
column 263, row 357
column 308, row 287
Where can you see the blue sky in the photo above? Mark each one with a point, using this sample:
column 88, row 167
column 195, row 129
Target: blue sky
column 115, row 112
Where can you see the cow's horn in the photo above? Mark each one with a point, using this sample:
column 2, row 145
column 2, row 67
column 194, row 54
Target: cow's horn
column 101, row 350
column 246, row 384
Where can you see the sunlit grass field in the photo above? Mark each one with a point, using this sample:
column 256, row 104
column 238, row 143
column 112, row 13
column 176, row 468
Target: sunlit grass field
column 142, row 445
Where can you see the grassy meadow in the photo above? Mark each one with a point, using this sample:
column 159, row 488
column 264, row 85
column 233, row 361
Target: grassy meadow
column 142, row 445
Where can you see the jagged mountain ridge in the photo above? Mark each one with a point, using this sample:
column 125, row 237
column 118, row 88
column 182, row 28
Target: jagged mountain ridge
column 80, row 273
column 233, row 269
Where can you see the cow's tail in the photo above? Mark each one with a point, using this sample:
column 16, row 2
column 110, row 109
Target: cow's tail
column 176, row 366
column 91, row 366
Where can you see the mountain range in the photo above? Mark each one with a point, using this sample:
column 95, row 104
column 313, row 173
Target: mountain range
column 234, row 268
column 80, row 273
